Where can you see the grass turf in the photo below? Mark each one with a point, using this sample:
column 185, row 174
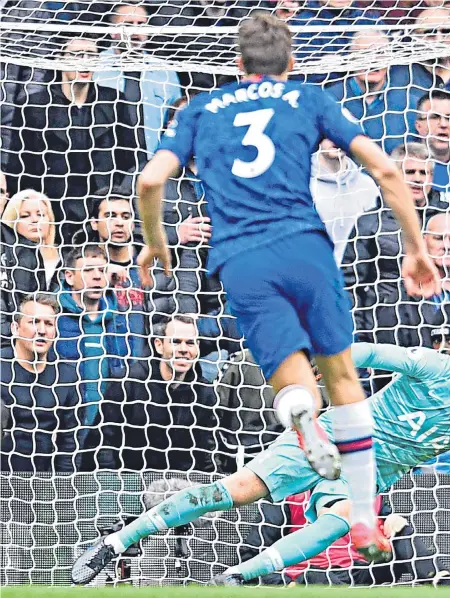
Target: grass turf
column 207, row 592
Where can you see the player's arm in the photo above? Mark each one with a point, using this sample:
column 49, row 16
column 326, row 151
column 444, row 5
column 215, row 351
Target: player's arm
column 150, row 189
column 420, row 363
column 175, row 150
column 420, row 274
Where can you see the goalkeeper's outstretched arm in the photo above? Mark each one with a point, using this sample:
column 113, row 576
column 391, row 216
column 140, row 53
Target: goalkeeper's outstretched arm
column 419, row 272
column 419, row 362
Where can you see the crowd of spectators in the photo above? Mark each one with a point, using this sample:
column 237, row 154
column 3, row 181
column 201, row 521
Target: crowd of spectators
column 137, row 373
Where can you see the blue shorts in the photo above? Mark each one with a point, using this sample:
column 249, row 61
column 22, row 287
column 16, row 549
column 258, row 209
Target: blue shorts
column 289, row 296
column 285, row 470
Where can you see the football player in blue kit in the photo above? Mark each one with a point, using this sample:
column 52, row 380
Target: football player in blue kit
column 252, row 143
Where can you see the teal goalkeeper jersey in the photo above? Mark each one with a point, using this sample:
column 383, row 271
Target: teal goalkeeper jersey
column 412, row 413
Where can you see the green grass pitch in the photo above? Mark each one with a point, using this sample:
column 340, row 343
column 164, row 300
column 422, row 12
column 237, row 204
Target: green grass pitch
column 207, row 592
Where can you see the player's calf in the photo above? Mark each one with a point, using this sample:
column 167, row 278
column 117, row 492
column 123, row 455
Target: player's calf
column 295, row 407
column 353, row 428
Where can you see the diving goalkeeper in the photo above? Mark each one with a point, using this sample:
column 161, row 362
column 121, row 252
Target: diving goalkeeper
column 411, row 425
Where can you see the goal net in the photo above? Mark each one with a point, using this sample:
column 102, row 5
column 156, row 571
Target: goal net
column 60, row 143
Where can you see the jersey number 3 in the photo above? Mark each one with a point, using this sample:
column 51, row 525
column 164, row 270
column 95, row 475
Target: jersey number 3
column 257, row 121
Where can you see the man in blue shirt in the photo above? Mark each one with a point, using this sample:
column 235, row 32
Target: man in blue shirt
column 436, row 72
column 272, row 251
column 148, row 93
column 324, row 13
column 382, row 99
column 433, row 127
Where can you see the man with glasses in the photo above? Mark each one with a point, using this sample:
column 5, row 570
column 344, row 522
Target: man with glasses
column 72, row 139
column 399, row 318
column 433, row 127
column 434, row 26
column 371, row 261
column 440, row 337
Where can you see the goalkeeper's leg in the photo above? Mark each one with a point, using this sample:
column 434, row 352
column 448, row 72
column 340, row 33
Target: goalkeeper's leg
column 183, row 507
column 290, row 550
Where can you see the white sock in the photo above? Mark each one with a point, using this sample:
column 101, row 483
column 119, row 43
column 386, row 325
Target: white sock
column 292, row 399
column 353, row 428
column 113, row 540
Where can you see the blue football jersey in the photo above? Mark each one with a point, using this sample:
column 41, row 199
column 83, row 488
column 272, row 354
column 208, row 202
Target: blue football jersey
column 412, row 413
column 252, row 143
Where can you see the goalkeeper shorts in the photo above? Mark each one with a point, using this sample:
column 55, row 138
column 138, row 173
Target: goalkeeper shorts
column 285, row 470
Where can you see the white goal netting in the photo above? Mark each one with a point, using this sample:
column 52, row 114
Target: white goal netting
column 88, row 89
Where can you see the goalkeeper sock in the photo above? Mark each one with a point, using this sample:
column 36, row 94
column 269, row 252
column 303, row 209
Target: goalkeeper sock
column 295, row 548
column 181, row 508
column 353, row 428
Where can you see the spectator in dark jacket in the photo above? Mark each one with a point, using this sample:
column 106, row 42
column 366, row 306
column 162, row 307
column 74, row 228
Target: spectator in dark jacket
column 40, row 392
column 72, row 140
column 162, row 416
column 21, row 268
column 433, row 127
column 407, row 321
column 29, row 213
column 371, row 262
column 92, row 333
column 247, row 420
column 19, row 81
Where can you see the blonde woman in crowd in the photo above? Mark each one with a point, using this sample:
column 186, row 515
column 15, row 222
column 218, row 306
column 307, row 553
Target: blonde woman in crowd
column 30, row 214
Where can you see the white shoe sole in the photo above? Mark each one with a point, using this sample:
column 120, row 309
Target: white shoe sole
column 322, row 455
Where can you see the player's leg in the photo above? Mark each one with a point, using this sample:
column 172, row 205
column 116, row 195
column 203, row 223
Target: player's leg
column 278, row 341
column 296, row 402
column 353, row 426
column 324, row 309
column 290, row 550
column 183, row 507
column 299, row 546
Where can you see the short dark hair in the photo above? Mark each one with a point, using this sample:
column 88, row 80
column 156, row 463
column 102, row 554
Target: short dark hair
column 113, row 12
column 433, row 94
column 176, row 106
column 160, row 328
column 265, row 44
column 105, row 193
column 77, row 253
column 172, row 110
column 69, row 38
column 41, row 299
